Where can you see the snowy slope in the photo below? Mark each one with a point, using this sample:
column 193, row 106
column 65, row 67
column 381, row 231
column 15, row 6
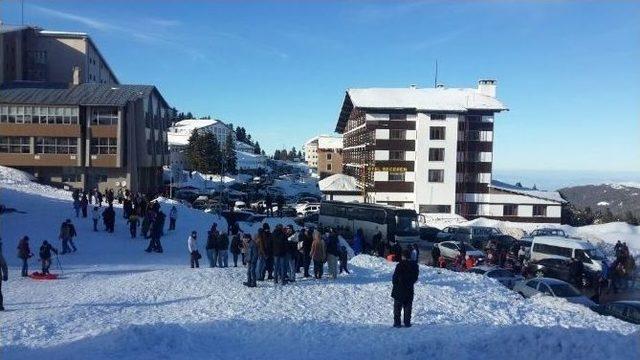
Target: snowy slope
column 115, row 301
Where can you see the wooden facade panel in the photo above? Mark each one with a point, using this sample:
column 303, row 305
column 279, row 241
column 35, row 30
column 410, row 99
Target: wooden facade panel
column 486, row 146
column 473, row 167
column 49, row 130
column 393, row 186
column 381, row 165
column 475, row 125
column 38, row 159
column 406, row 145
column 472, row 188
column 391, row 124
column 104, row 131
column 104, row 160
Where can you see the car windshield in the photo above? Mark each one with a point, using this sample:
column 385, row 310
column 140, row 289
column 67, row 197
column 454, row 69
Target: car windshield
column 564, row 290
column 406, row 223
column 595, row 254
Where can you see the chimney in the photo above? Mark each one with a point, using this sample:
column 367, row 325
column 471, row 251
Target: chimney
column 487, row 87
column 76, row 75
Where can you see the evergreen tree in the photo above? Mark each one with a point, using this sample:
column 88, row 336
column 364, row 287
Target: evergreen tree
column 212, row 162
column 630, row 219
column 189, row 115
column 230, row 155
column 256, row 148
column 263, row 153
column 276, row 155
column 192, row 153
column 292, row 153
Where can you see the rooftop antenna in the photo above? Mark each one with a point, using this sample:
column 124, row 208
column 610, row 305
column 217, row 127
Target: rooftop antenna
column 435, row 80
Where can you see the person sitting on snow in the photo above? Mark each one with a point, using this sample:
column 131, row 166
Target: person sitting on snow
column 45, row 256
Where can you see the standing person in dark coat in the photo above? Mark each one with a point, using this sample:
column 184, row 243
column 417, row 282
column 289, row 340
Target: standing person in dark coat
column 212, row 245
column 378, row 244
column 223, row 248
column 268, row 246
column 269, row 203
column 45, row 256
column 109, row 217
column 84, row 202
column 404, row 278
column 344, row 258
column 24, row 253
column 127, row 208
column 306, row 251
column 173, row 216
column 236, row 245
column 251, row 258
column 156, row 232
column 279, row 245
column 4, row 275
column 280, row 202
column 435, row 255
column 67, row 233
column 133, row 225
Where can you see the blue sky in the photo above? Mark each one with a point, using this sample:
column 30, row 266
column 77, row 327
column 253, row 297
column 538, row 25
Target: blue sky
column 569, row 71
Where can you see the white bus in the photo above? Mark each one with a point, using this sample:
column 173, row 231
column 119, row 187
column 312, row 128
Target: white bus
column 395, row 224
column 560, row 247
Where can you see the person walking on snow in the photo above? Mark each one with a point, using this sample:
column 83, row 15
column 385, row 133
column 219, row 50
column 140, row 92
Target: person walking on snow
column 133, row 224
column 192, row 245
column 67, row 232
column 76, row 206
column 252, row 260
column 223, row 248
column 24, row 253
column 95, row 216
column 173, row 216
column 212, row 245
column 404, row 278
column 109, row 218
column 84, row 203
column 45, row 256
column 4, row 275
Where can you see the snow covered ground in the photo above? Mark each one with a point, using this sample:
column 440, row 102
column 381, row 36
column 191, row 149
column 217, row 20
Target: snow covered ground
column 117, row 302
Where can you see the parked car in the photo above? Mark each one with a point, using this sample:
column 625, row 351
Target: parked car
column 544, row 247
column 546, row 232
column 239, row 206
column 499, row 242
column 558, row 269
column 234, row 216
column 451, row 250
column 551, row 287
column 628, row 311
column 428, row 233
column 187, row 195
column 288, row 211
column 308, row 209
column 201, row 203
column 503, row 276
column 454, row 233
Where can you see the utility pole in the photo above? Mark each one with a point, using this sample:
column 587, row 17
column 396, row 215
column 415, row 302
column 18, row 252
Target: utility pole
column 435, row 79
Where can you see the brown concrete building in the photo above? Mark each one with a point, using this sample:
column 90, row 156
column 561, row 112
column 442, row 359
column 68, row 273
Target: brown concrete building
column 31, row 54
column 324, row 153
column 86, row 135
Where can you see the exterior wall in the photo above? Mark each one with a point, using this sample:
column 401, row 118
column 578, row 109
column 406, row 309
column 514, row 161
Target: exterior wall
column 63, row 54
column 323, row 162
column 492, row 205
column 311, row 154
column 11, row 50
column 434, row 193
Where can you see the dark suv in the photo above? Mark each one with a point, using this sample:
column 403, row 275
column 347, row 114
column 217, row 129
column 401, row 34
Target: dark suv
column 558, row 269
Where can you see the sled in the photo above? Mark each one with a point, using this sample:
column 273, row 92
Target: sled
column 40, row 276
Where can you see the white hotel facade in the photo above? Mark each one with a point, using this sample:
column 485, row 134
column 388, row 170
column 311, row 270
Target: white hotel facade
column 432, row 150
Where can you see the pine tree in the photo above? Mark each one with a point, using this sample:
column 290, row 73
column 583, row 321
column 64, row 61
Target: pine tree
column 192, row 153
column 189, row 115
column 263, row 153
column 230, row 155
column 256, row 148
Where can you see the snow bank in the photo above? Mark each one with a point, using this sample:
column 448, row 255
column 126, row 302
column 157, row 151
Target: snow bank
column 116, row 301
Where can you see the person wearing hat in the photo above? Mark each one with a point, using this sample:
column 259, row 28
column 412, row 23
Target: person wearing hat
column 45, row 256
column 192, row 245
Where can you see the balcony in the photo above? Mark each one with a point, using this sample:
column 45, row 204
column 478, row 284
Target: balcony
column 48, row 130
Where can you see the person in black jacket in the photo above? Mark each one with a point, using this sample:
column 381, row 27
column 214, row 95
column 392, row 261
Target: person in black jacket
column 268, row 246
column 279, row 246
column 404, row 278
column 109, row 218
column 45, row 256
column 307, row 240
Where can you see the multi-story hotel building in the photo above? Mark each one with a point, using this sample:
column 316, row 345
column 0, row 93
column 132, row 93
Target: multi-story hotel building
column 86, row 135
column 432, row 150
column 32, row 54
column 324, row 153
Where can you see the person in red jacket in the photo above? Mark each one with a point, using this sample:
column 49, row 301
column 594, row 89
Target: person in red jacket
column 24, row 253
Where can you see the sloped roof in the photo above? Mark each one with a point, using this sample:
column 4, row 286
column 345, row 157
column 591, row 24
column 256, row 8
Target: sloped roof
column 416, row 99
column 330, row 142
column 338, row 183
column 179, row 133
column 82, row 94
column 540, row 194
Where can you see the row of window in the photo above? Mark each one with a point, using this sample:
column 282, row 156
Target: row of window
column 38, row 115
column 56, row 145
column 104, row 116
column 104, row 146
column 512, row 210
column 434, row 176
column 15, row 144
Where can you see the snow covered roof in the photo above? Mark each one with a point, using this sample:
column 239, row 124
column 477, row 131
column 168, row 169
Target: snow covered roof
column 329, row 142
column 179, row 133
column 540, row 194
column 427, row 99
column 338, row 183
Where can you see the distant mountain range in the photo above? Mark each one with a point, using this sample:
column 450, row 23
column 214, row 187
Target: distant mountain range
column 618, row 197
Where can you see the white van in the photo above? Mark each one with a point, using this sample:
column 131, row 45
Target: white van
column 559, row 247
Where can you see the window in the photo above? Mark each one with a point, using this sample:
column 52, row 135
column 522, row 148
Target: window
column 104, row 146
column 437, row 133
column 104, row 116
column 552, row 250
column 71, row 178
column 396, row 176
column 52, row 145
column 329, row 167
column 510, row 210
column 15, row 144
column 435, row 209
column 436, row 154
column 539, row 210
column 436, row 175
column 329, row 156
column 396, row 134
column 396, row 155
column 438, row 117
column 38, row 115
